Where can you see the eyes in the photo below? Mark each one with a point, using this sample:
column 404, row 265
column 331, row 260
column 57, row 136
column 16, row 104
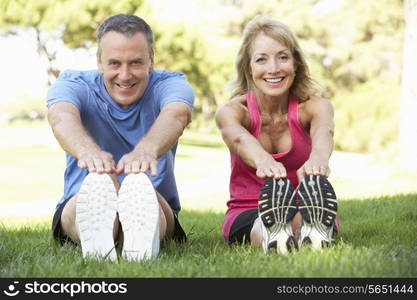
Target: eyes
column 282, row 58
column 136, row 62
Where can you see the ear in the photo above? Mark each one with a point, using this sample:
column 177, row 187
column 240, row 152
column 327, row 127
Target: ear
column 100, row 69
column 151, row 67
column 99, row 65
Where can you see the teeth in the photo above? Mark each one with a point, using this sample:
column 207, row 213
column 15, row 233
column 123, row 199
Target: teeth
column 124, row 86
column 274, row 80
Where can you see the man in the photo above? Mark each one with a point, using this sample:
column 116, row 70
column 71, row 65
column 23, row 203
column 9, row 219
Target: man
column 119, row 126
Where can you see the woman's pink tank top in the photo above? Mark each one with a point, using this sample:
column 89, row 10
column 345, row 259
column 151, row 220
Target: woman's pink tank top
column 244, row 184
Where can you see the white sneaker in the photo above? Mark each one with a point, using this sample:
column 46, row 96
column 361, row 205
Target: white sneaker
column 96, row 208
column 318, row 207
column 276, row 209
column 139, row 215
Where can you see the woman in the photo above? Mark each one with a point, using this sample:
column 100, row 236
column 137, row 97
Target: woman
column 280, row 135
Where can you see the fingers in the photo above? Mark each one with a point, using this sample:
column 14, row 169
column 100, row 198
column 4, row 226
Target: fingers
column 120, row 167
column 313, row 169
column 320, row 170
column 133, row 164
column 97, row 161
column 154, row 168
column 109, row 166
column 301, row 173
column 277, row 171
column 324, row 171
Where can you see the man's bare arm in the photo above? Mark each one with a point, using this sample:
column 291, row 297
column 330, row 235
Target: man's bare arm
column 65, row 121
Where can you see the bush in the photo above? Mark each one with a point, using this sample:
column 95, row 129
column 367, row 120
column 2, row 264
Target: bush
column 367, row 117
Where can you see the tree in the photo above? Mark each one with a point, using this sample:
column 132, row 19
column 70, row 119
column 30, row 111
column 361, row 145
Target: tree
column 179, row 48
column 72, row 22
column 408, row 109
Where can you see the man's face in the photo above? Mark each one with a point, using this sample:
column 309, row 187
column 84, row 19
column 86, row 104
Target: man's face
column 125, row 64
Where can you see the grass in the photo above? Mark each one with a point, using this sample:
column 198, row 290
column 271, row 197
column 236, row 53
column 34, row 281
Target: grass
column 377, row 239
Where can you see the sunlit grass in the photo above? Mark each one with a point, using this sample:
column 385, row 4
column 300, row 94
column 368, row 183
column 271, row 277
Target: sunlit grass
column 377, row 239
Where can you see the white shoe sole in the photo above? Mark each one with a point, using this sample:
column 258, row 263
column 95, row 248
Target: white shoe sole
column 96, row 209
column 318, row 208
column 276, row 209
column 316, row 235
column 139, row 215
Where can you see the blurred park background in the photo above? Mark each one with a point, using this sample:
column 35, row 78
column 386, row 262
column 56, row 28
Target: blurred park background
column 363, row 53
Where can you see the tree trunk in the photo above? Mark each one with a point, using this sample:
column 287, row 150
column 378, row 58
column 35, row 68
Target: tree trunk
column 408, row 106
column 53, row 72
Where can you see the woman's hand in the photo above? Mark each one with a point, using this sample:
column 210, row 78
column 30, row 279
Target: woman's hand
column 269, row 167
column 315, row 165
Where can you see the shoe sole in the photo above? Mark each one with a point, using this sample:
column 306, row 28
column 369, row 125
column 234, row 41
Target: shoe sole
column 318, row 207
column 276, row 209
column 96, row 209
column 139, row 215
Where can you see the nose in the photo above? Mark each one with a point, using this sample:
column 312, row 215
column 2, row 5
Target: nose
column 124, row 73
column 273, row 66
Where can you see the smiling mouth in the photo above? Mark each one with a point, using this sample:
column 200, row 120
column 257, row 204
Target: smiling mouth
column 274, row 80
column 125, row 86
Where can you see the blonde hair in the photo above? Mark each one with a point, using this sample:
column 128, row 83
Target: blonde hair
column 303, row 85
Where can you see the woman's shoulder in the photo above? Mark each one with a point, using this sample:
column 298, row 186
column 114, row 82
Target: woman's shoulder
column 235, row 107
column 237, row 103
column 313, row 102
column 314, row 106
column 239, row 100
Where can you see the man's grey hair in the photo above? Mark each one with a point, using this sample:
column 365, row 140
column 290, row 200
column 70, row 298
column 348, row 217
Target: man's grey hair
column 128, row 25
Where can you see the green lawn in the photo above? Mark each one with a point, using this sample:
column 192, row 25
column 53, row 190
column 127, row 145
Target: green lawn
column 377, row 239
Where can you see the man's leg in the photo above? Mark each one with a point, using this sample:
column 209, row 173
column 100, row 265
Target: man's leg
column 166, row 219
column 70, row 226
column 95, row 196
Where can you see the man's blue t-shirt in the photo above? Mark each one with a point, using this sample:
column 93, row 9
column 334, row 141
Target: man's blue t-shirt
column 117, row 130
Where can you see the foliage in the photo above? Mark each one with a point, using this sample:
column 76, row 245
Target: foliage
column 55, row 21
column 179, row 47
column 351, row 45
column 366, row 118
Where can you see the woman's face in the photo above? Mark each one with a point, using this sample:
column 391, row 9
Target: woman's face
column 272, row 66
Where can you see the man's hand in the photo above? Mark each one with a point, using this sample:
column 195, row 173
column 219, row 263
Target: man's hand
column 97, row 161
column 138, row 161
column 314, row 166
column 162, row 135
